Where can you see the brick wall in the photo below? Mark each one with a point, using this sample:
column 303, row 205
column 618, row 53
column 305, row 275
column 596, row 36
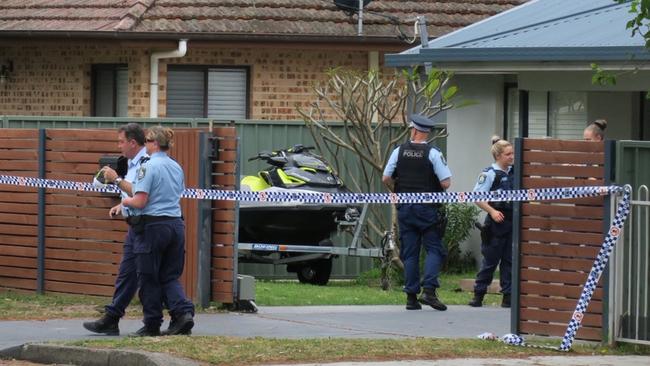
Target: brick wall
column 54, row 79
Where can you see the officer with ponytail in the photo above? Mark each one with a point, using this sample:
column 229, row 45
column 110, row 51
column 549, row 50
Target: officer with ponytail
column 496, row 235
column 160, row 238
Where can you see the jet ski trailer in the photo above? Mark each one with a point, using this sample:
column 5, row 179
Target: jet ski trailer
column 297, row 256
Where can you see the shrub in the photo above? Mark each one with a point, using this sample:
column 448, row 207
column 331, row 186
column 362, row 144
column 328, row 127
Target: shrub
column 460, row 221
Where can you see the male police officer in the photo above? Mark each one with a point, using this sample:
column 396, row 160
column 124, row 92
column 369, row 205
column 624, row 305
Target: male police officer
column 417, row 167
column 130, row 141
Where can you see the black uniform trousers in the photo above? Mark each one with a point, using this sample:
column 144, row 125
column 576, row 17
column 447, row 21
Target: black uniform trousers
column 126, row 283
column 497, row 251
column 160, row 258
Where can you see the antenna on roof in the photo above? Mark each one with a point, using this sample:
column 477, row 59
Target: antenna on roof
column 353, row 6
column 424, row 38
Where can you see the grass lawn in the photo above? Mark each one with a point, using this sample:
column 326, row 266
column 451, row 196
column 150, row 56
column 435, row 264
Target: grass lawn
column 275, row 293
column 26, row 306
column 250, row 351
column 20, row 305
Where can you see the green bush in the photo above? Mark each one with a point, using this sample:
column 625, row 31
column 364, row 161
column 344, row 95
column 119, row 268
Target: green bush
column 460, row 221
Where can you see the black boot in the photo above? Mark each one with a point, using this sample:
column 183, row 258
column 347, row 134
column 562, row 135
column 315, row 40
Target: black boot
column 180, row 325
column 505, row 301
column 412, row 302
column 107, row 324
column 430, row 298
column 146, row 331
column 477, row 301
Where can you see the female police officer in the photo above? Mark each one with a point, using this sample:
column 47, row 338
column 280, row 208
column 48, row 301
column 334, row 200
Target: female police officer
column 496, row 246
column 417, row 167
column 160, row 243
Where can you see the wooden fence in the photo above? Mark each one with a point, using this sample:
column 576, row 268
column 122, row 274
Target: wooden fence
column 64, row 241
column 18, row 210
column 253, row 136
column 559, row 240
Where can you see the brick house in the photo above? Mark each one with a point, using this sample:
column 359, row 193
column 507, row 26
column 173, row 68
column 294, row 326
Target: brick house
column 244, row 59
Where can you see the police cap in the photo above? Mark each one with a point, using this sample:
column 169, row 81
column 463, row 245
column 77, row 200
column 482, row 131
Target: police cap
column 421, row 123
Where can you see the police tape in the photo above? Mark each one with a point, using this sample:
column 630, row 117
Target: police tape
column 606, row 248
column 539, row 194
column 622, row 212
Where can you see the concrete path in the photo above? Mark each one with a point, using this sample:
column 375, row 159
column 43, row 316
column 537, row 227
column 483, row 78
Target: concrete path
column 296, row 322
column 331, row 321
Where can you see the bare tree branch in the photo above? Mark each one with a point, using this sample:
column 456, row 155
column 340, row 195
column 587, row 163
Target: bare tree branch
column 372, row 110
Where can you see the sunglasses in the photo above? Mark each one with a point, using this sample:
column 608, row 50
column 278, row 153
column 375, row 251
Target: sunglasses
column 150, row 140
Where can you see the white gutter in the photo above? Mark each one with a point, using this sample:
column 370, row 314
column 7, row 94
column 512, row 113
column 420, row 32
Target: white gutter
column 153, row 74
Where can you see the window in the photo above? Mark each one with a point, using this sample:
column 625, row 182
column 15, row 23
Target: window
column 537, row 114
column 561, row 115
column 644, row 111
column 110, row 90
column 567, row 114
column 220, row 93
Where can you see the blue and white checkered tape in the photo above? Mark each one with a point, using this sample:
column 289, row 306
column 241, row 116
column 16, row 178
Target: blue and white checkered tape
column 540, row 194
column 622, row 212
column 513, row 339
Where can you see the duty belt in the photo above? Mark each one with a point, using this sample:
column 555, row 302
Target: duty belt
column 149, row 219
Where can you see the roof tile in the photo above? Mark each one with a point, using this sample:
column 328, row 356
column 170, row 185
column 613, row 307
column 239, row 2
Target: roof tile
column 256, row 17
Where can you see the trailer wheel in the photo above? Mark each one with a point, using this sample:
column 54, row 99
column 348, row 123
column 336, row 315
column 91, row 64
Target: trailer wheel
column 316, row 272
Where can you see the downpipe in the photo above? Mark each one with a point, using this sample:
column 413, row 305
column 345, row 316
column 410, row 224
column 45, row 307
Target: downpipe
column 153, row 74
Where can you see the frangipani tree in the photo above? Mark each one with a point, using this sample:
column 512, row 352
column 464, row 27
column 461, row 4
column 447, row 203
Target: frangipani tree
column 366, row 113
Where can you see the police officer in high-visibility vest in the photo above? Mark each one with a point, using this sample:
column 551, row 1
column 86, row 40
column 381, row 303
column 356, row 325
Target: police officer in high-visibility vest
column 415, row 166
column 496, row 235
column 130, row 141
column 160, row 239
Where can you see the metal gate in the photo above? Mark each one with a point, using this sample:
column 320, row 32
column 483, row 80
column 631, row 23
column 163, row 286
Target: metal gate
column 629, row 300
column 629, row 311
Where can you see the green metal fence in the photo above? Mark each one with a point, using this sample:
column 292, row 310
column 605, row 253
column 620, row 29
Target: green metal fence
column 254, row 136
column 630, row 286
column 632, row 162
column 97, row 122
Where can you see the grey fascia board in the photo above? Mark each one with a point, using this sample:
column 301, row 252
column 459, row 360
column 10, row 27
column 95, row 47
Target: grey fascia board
column 517, row 67
column 519, row 54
